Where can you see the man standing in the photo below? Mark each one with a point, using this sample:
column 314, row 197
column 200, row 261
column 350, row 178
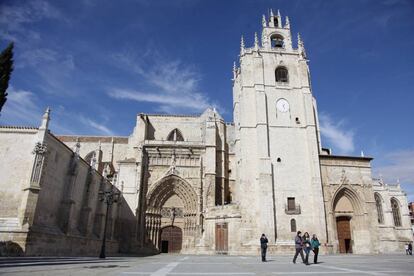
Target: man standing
column 298, row 248
column 263, row 246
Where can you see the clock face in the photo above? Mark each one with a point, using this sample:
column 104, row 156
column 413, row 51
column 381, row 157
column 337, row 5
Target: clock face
column 282, row 105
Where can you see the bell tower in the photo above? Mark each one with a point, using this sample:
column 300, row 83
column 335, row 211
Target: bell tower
column 277, row 139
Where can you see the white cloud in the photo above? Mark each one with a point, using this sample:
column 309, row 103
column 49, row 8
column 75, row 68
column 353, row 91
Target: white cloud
column 36, row 57
column 400, row 166
column 97, row 126
column 173, row 85
column 21, row 108
column 340, row 138
column 193, row 102
column 14, row 19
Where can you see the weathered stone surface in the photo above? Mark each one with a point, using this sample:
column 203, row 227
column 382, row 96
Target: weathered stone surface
column 221, row 185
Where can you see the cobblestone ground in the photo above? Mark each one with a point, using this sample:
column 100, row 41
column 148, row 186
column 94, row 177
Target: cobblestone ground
column 164, row 264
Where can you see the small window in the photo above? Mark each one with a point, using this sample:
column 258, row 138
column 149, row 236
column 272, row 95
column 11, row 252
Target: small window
column 281, row 74
column 292, row 225
column 395, row 207
column 291, row 203
column 175, row 135
column 277, row 41
column 276, row 21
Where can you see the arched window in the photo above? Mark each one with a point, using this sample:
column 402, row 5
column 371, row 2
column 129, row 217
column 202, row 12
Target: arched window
column 292, row 225
column 395, row 207
column 175, row 135
column 281, row 74
column 378, row 203
column 277, row 41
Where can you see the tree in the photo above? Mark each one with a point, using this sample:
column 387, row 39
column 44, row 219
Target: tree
column 6, row 68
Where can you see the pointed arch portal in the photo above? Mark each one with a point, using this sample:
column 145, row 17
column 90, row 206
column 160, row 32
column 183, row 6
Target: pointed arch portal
column 347, row 211
column 171, row 214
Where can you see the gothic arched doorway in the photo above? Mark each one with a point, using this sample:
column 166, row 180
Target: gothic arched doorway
column 171, row 216
column 171, row 239
column 348, row 219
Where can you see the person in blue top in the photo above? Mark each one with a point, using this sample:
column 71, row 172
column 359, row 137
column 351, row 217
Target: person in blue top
column 315, row 247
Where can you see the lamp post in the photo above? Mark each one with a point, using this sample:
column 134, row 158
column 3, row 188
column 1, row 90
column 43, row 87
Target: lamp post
column 108, row 197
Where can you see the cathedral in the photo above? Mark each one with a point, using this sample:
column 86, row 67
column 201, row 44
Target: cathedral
column 200, row 185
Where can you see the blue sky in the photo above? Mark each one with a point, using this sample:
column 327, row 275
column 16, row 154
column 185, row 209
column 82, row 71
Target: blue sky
column 97, row 64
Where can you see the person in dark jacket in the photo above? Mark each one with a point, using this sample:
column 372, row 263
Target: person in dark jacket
column 263, row 246
column 315, row 247
column 306, row 246
column 410, row 248
column 298, row 248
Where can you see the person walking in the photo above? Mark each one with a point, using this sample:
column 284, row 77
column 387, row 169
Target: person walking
column 315, row 247
column 410, row 248
column 407, row 251
column 307, row 246
column 263, row 246
column 298, row 247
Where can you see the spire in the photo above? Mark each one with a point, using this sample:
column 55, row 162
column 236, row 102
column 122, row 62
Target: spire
column 287, row 23
column 45, row 119
column 264, row 24
column 278, row 13
column 242, row 46
column 256, row 42
column 234, row 70
column 77, row 147
column 362, row 154
column 271, row 13
column 301, row 47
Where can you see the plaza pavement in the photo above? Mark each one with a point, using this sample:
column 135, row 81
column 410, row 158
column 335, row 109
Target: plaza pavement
column 175, row 265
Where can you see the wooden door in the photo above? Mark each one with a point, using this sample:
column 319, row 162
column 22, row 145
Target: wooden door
column 171, row 239
column 221, row 238
column 344, row 234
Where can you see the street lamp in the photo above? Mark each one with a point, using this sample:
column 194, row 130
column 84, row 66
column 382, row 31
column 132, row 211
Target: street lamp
column 108, row 197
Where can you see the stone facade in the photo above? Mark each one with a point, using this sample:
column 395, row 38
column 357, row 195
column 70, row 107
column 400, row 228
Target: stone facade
column 196, row 184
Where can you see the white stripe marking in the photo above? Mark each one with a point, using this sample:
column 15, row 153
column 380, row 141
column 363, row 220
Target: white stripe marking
column 211, row 273
column 160, row 272
column 336, row 272
column 356, row 271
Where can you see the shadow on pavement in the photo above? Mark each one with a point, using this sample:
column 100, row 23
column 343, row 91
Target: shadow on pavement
column 47, row 261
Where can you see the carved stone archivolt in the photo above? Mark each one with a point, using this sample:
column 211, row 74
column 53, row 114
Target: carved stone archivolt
column 169, row 186
column 351, row 195
column 157, row 196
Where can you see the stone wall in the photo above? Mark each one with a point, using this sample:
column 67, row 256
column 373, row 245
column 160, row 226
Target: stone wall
column 347, row 187
column 392, row 237
column 49, row 196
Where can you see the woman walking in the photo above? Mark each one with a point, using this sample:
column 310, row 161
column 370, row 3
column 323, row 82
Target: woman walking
column 315, row 247
column 307, row 246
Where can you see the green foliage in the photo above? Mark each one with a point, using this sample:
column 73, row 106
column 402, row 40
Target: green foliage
column 6, row 68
